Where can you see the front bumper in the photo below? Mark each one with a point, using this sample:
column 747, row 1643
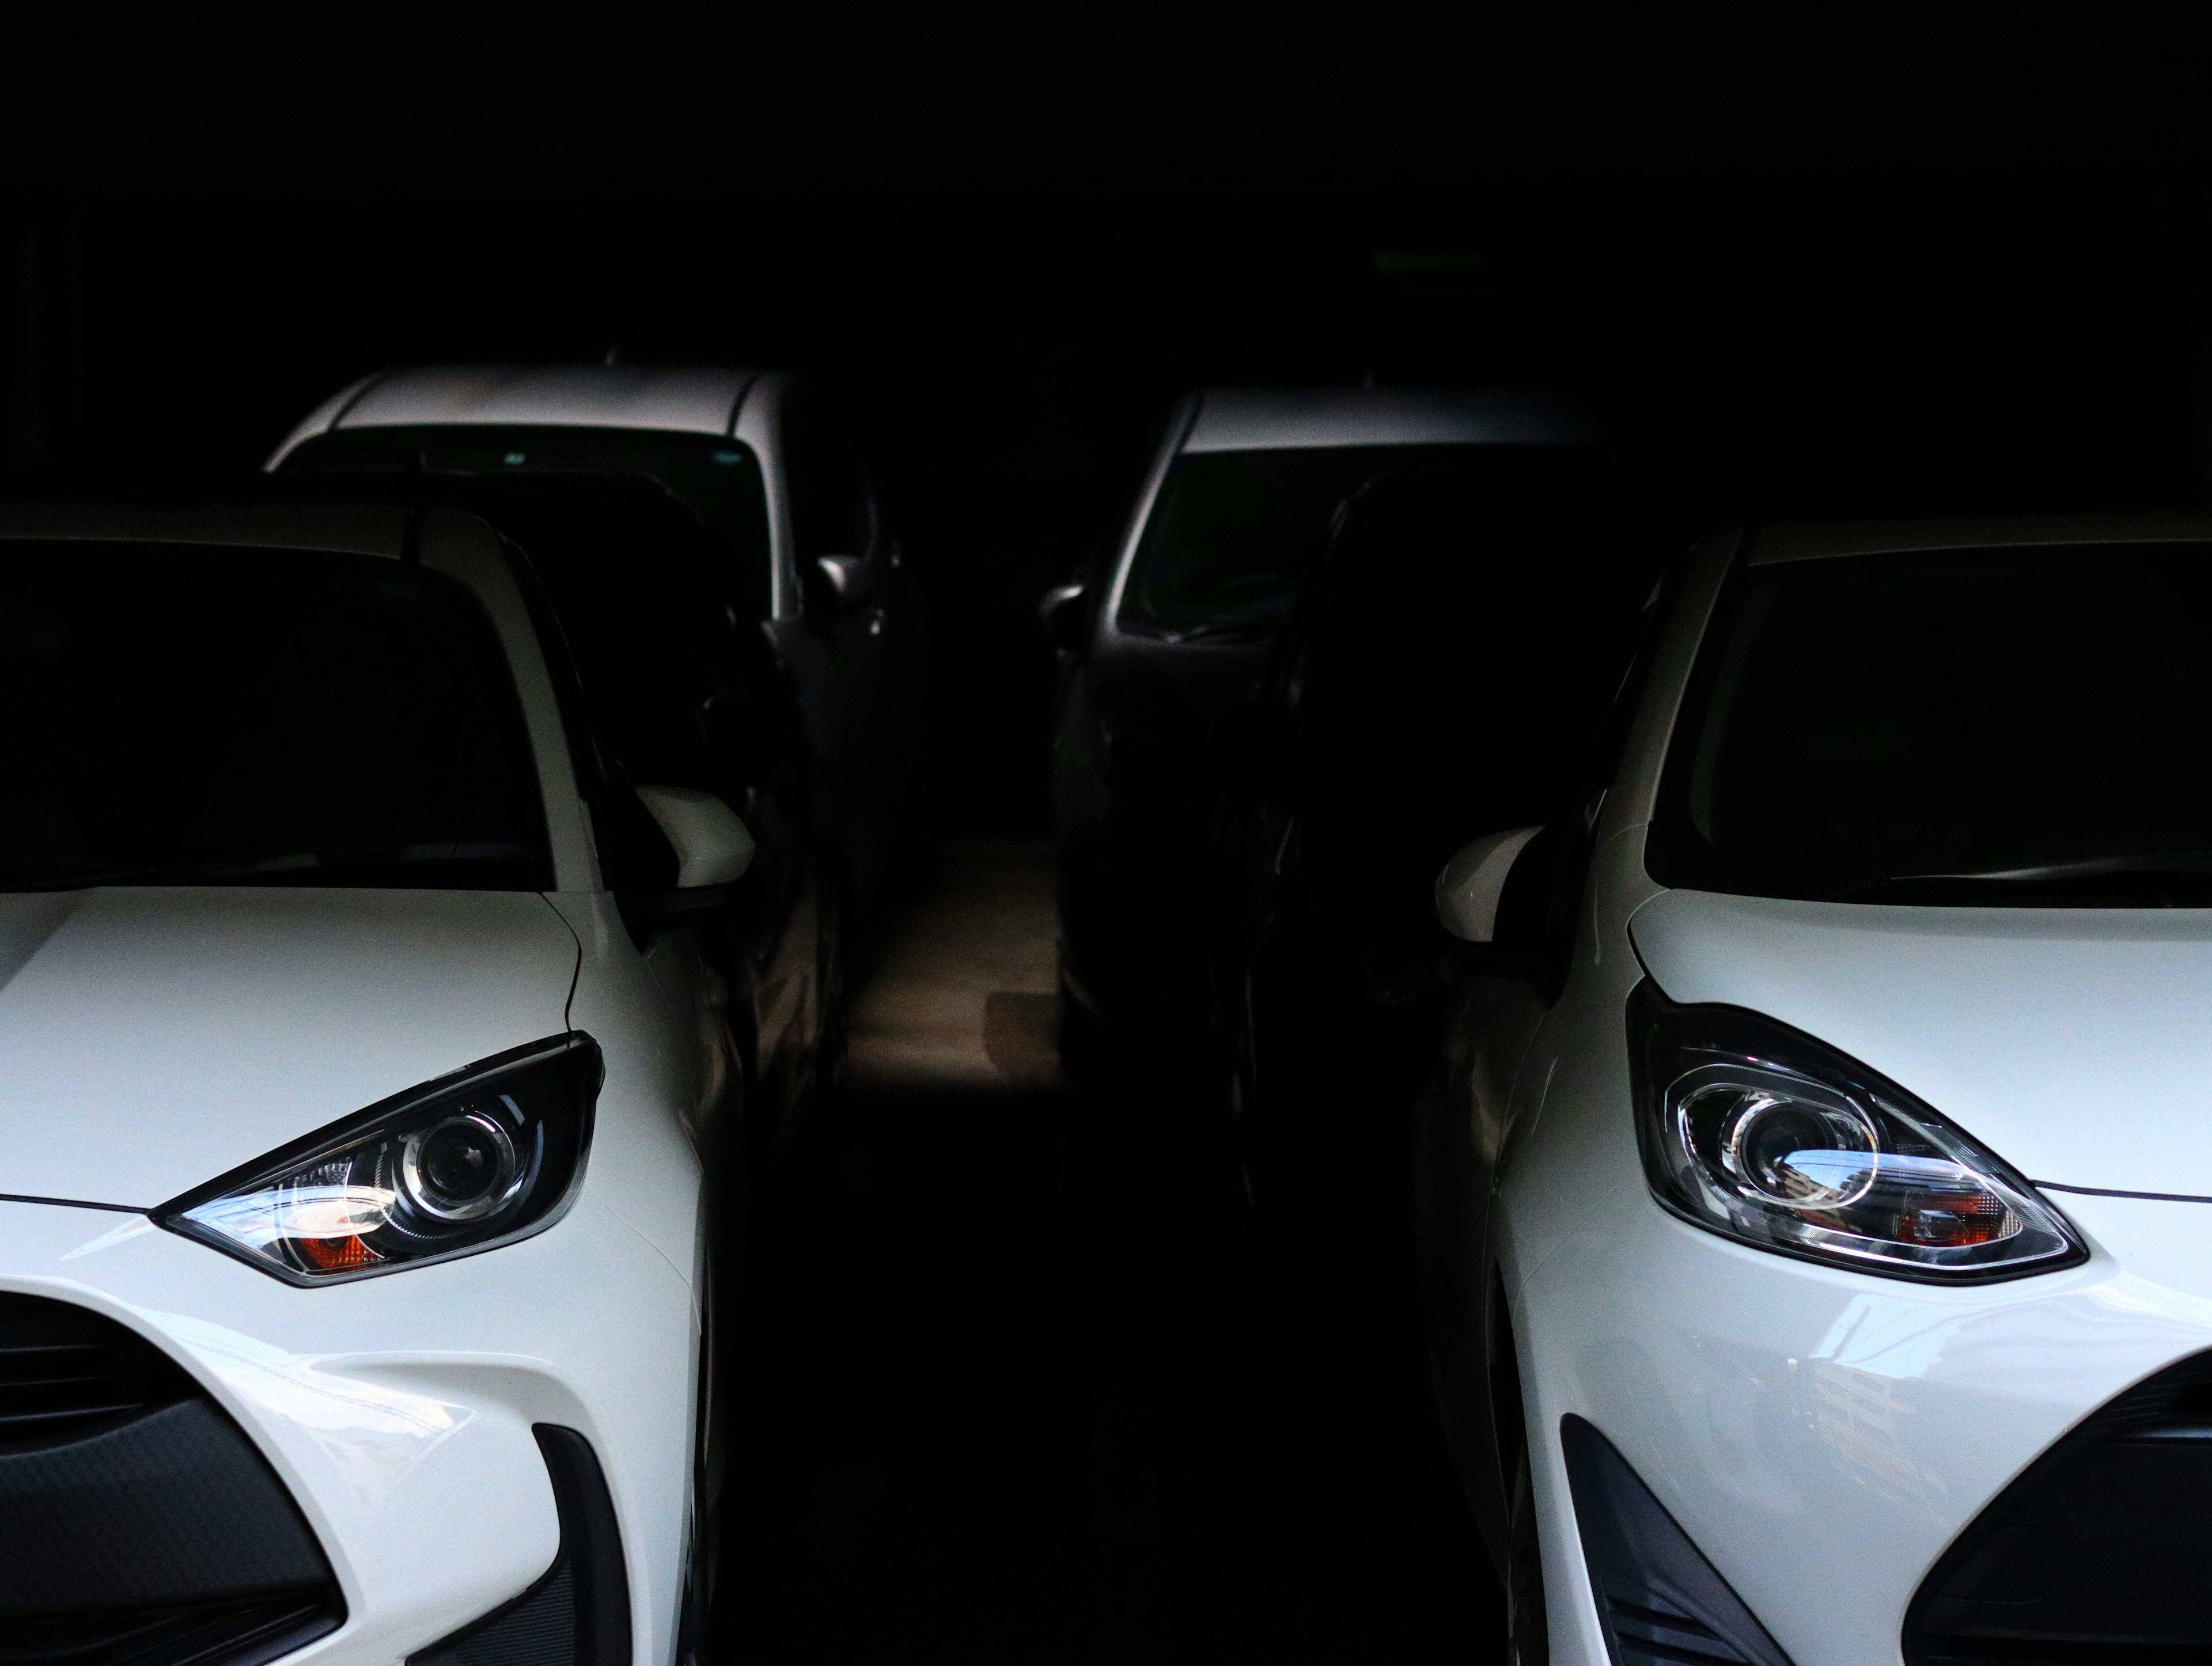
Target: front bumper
column 399, row 1411
column 1822, row 1436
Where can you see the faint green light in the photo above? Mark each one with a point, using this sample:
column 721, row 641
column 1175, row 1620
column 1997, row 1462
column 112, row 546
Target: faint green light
column 729, row 457
column 1427, row 263
column 515, row 459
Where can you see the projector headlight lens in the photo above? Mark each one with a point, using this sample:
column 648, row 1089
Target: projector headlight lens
column 1750, row 1129
column 468, row 1161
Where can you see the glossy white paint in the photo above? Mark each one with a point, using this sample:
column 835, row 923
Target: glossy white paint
column 1823, row 1434
column 711, row 845
column 152, row 1038
column 398, row 1410
column 1472, row 883
column 2071, row 1042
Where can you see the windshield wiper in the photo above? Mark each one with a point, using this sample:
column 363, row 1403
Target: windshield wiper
column 2082, row 867
column 287, row 868
column 1225, row 630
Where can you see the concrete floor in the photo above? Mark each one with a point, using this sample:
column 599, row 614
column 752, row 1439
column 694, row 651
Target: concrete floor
column 1020, row 1386
column 963, row 995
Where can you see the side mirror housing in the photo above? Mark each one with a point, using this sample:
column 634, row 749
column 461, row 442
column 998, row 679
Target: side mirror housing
column 713, row 850
column 838, row 584
column 1064, row 614
column 712, row 846
column 1473, row 884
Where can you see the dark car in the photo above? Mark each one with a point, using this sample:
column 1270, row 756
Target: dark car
column 771, row 465
column 1445, row 671
column 1165, row 643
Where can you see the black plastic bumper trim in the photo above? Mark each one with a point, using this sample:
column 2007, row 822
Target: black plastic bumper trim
column 577, row 1614
column 1660, row 1602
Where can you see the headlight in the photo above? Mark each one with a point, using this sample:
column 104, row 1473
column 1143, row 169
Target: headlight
column 1753, row 1131
column 481, row 1157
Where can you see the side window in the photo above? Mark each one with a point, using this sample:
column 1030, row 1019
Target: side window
column 832, row 509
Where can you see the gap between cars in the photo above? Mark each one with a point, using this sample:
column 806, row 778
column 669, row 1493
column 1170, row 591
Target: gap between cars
column 1018, row 1389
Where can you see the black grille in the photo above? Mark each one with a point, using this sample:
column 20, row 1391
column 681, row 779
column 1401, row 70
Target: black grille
column 139, row 1526
column 207, row 1634
column 2097, row 1555
column 65, row 1370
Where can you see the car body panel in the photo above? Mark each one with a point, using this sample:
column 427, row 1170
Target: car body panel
column 693, row 401
column 1283, row 419
column 264, row 1012
column 2069, row 1041
column 1795, row 1418
column 398, row 1410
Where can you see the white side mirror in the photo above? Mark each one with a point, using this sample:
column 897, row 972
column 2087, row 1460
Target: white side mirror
column 1473, row 881
column 711, row 845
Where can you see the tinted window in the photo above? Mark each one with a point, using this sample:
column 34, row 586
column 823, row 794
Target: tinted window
column 197, row 716
column 832, row 511
column 719, row 479
column 1234, row 533
column 2016, row 726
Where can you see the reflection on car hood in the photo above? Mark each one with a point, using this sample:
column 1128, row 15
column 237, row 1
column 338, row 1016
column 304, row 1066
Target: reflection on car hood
column 2074, row 1043
column 152, row 1038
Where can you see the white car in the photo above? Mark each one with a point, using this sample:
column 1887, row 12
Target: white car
column 1818, row 1214
column 352, row 1246
column 771, row 463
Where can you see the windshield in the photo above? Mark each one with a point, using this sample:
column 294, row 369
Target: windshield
column 2021, row 727
column 1234, row 533
column 185, row 714
column 718, row 479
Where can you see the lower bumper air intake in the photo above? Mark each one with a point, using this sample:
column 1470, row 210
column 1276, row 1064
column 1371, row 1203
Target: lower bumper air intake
column 578, row 1614
column 1661, row 1603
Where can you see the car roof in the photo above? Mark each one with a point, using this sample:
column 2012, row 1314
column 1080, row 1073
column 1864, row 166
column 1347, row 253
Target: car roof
column 1768, row 545
column 350, row 529
column 685, row 400
column 1289, row 419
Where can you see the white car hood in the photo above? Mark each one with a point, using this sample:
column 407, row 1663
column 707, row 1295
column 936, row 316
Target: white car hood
column 152, row 1038
column 2075, row 1043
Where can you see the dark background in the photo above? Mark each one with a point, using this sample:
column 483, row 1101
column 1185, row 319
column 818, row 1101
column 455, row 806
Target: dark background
column 1023, row 1396
column 1853, row 263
